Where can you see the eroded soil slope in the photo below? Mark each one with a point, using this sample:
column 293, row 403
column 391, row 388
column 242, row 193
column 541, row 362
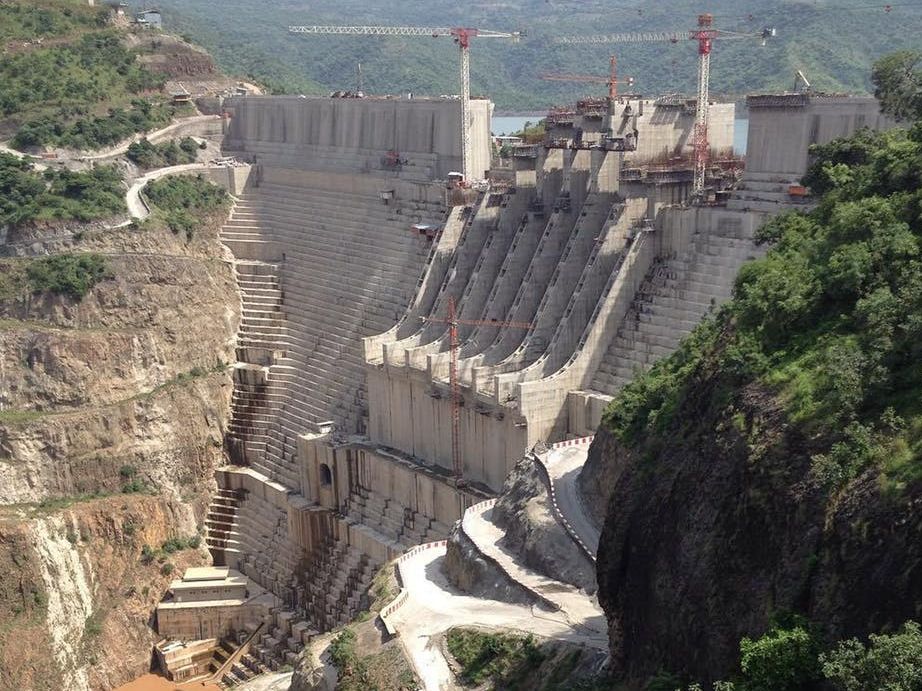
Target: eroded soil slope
column 112, row 411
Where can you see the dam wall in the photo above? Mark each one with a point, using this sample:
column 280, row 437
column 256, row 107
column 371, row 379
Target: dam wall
column 602, row 278
column 358, row 134
column 580, row 271
column 332, row 242
column 783, row 127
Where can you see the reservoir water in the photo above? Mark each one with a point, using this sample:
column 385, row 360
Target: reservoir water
column 510, row 124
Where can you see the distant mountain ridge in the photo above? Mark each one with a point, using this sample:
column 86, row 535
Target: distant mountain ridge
column 833, row 42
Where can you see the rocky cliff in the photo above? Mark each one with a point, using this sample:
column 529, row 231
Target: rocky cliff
column 524, row 512
column 112, row 411
column 773, row 465
column 716, row 524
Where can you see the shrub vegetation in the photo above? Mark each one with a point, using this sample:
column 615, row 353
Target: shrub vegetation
column 352, row 669
column 493, row 657
column 26, row 22
column 789, row 657
column 892, row 662
column 73, row 275
column 170, row 153
column 183, row 200
column 26, row 195
column 89, row 131
column 61, row 92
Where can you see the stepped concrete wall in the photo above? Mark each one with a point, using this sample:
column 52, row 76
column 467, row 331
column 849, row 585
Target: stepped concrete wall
column 328, row 249
column 603, row 303
column 341, row 428
column 686, row 272
column 563, row 240
column 355, row 133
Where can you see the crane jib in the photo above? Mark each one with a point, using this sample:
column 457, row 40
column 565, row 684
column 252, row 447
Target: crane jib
column 461, row 35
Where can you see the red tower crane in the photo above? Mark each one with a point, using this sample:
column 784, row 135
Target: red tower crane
column 705, row 34
column 457, row 399
column 461, row 36
column 611, row 80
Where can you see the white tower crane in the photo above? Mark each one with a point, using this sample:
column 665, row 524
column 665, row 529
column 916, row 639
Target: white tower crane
column 705, row 35
column 461, row 36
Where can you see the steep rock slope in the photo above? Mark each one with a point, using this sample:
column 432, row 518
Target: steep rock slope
column 709, row 539
column 112, row 413
column 75, row 596
column 772, row 465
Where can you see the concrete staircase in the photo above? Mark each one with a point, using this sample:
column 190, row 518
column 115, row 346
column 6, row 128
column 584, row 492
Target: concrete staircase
column 675, row 295
column 335, row 583
column 247, row 533
column 398, row 524
column 220, row 527
column 318, row 271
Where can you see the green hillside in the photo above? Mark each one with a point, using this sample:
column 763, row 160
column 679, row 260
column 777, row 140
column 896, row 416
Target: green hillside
column 835, row 46
column 68, row 78
column 766, row 478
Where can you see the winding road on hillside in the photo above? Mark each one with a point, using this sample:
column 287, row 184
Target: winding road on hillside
column 137, row 208
column 434, row 606
column 563, row 466
column 153, row 137
column 582, row 611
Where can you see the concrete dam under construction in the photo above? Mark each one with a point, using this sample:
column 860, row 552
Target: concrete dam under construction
column 371, row 282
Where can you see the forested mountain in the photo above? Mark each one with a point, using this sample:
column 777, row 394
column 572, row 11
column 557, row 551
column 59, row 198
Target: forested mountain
column 833, row 41
column 766, row 478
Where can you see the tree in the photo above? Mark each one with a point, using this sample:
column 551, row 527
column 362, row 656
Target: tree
column 888, row 662
column 898, row 84
column 781, row 660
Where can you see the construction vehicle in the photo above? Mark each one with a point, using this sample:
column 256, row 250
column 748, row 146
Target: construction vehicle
column 461, row 36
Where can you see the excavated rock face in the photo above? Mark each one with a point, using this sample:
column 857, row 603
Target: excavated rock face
column 305, row 679
column 532, row 532
column 715, row 525
column 76, row 599
column 112, row 412
column 468, row 570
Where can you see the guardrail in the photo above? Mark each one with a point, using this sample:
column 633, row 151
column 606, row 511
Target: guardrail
column 403, row 595
column 480, row 508
column 558, row 514
column 572, row 442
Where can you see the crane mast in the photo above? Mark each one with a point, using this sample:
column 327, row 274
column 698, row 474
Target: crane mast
column 467, row 146
column 705, row 34
column 457, row 399
column 462, row 36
